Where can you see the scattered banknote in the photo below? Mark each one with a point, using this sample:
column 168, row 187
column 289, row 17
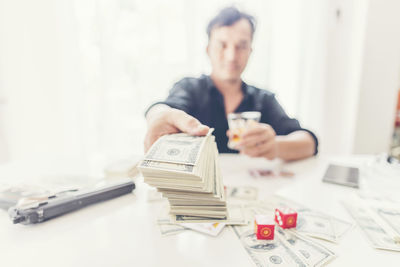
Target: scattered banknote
column 309, row 222
column 212, row 229
column 379, row 221
column 288, row 248
column 169, row 228
column 311, row 252
column 266, row 253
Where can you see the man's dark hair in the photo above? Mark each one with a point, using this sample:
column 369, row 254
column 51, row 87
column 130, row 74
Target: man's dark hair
column 227, row 17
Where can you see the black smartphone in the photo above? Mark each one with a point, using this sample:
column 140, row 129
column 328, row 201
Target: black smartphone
column 342, row 175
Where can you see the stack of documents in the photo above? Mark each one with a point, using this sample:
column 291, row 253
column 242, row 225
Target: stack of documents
column 185, row 170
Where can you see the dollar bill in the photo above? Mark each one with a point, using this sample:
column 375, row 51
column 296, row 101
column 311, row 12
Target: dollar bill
column 171, row 229
column 266, row 252
column 311, row 222
column 316, row 225
column 391, row 216
column 311, row 252
column 212, row 229
column 168, row 228
column 378, row 236
column 176, row 148
column 289, row 248
column 385, row 211
column 176, row 167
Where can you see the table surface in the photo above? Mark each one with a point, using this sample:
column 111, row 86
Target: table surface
column 124, row 231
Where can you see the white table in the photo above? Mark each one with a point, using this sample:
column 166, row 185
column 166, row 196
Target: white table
column 124, row 232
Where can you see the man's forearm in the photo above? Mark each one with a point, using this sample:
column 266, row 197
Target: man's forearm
column 297, row 145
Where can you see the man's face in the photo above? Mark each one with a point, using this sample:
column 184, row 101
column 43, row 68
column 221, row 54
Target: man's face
column 229, row 49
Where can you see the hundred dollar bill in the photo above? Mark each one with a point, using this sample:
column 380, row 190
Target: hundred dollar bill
column 168, row 228
column 311, row 222
column 266, row 252
column 385, row 211
column 289, row 248
column 177, row 148
column 312, row 253
column 180, row 168
column 212, row 229
column 378, row 236
column 316, row 225
column 171, row 229
column 391, row 216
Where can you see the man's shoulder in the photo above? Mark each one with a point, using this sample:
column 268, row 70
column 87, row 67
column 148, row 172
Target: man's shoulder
column 258, row 92
column 193, row 83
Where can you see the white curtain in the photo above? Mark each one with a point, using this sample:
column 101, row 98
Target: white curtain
column 76, row 76
column 133, row 52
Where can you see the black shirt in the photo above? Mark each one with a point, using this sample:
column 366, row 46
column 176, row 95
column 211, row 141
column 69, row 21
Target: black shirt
column 201, row 99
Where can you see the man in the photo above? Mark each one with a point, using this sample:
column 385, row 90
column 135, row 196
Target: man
column 195, row 104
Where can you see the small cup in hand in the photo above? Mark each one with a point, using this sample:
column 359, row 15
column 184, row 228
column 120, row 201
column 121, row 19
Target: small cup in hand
column 238, row 123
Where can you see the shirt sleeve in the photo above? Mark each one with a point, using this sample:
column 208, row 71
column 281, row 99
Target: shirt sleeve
column 180, row 97
column 274, row 115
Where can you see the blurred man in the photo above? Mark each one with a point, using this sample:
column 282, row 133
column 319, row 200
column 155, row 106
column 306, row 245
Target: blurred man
column 195, row 104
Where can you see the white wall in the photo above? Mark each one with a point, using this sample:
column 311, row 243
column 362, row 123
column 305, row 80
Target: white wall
column 40, row 80
column 380, row 78
column 345, row 27
column 358, row 80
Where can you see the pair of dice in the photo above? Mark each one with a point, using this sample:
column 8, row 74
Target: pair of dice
column 264, row 226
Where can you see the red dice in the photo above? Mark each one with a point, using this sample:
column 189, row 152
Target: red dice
column 286, row 217
column 264, row 227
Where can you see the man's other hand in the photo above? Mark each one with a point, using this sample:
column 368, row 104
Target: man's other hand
column 259, row 140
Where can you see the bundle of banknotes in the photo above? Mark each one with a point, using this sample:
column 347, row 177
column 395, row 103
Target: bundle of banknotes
column 185, row 170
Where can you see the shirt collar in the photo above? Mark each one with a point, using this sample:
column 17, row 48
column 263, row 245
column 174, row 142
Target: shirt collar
column 211, row 86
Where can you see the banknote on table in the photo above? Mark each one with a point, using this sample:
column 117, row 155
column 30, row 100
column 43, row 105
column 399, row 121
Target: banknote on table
column 166, row 227
column 379, row 221
column 185, row 169
column 287, row 249
column 169, row 228
column 386, row 211
column 212, row 229
column 311, row 252
column 311, row 222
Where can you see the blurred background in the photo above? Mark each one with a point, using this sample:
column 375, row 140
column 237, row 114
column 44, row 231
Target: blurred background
column 76, row 76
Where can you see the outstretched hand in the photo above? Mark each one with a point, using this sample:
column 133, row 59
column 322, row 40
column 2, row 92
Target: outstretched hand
column 172, row 121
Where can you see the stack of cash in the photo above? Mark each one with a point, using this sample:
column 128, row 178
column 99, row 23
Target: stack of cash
column 185, row 170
